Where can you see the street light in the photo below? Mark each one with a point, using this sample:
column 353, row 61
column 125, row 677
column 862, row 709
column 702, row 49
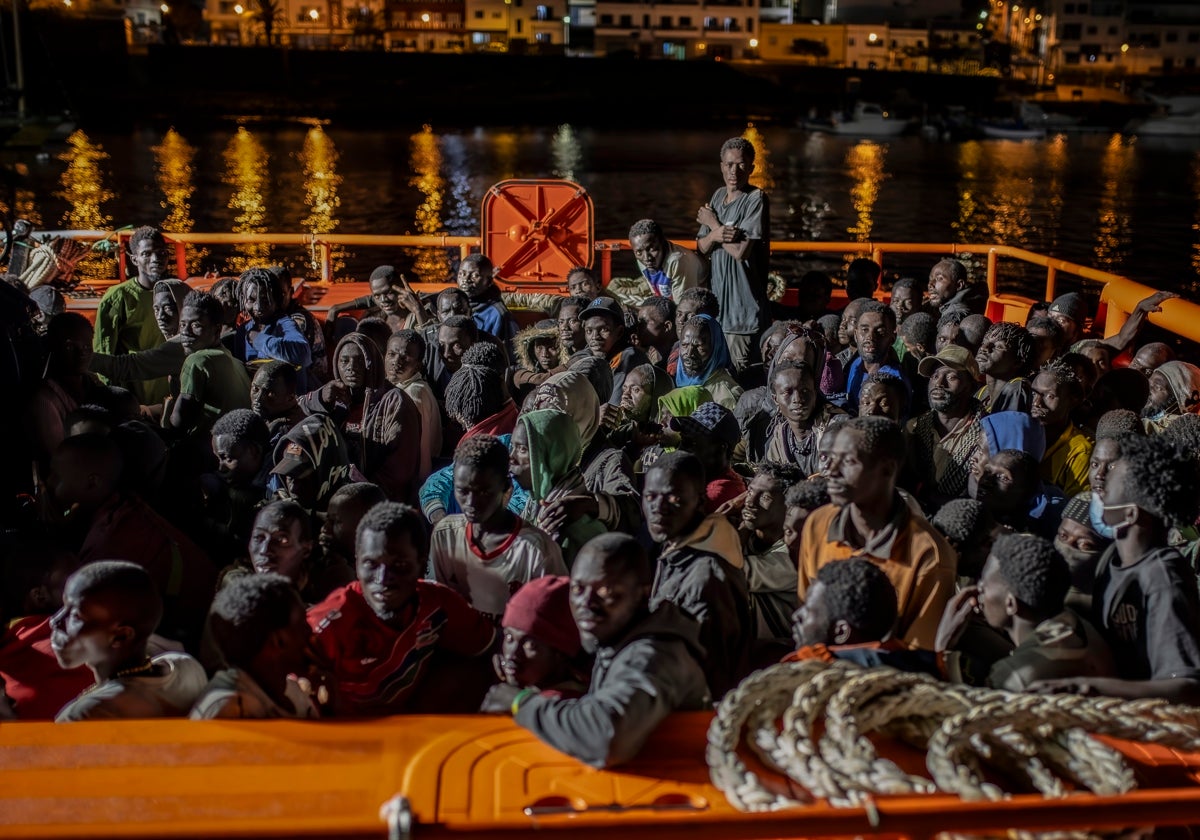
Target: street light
column 425, row 18
column 566, row 31
column 237, row 10
column 313, row 14
column 165, row 9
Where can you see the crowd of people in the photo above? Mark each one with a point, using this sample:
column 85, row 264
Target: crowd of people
column 225, row 507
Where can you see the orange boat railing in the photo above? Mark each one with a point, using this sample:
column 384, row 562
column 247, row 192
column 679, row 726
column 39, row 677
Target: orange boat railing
column 1119, row 294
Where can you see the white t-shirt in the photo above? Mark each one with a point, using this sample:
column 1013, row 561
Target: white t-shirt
column 488, row 582
column 169, row 692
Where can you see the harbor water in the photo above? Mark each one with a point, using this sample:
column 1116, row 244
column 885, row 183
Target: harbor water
column 1117, row 203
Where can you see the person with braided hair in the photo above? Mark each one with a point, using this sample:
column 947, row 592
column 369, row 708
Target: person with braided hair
column 268, row 331
column 1057, row 392
column 1003, row 359
column 1022, row 593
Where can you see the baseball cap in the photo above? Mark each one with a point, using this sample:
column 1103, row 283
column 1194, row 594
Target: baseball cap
column 294, row 462
column 709, row 420
column 604, row 306
column 951, row 356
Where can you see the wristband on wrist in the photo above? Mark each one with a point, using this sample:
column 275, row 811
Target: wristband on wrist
column 521, row 695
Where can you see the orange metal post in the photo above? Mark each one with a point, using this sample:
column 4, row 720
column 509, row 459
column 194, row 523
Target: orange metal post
column 1051, row 282
column 181, row 271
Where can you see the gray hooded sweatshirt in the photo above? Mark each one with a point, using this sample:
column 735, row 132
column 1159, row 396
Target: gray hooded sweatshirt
column 651, row 672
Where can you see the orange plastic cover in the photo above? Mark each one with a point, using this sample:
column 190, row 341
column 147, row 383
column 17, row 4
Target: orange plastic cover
column 465, row 776
column 535, row 231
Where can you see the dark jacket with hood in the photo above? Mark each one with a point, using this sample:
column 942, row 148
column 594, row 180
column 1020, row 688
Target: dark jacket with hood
column 970, row 300
column 715, row 593
column 319, row 438
column 636, row 682
column 384, row 439
column 528, row 374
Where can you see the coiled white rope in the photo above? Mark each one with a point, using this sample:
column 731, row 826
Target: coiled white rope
column 1040, row 742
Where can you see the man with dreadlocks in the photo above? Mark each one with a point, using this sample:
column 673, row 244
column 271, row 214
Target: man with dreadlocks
column 1057, row 392
column 269, row 332
column 125, row 320
column 1003, row 359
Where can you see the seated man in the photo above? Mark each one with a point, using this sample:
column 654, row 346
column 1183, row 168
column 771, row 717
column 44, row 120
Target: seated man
column 802, row 499
column 347, row 507
column 377, row 636
column 608, row 339
column 1008, row 486
column 273, row 397
column 951, row 289
column 258, row 625
column 710, row 433
column 705, row 584
column 211, row 381
column 849, row 613
column 646, row 662
column 1174, row 392
column 391, row 299
column 670, row 269
column 1057, row 392
column 86, row 477
column 32, row 577
column 656, row 329
column 1145, row 600
column 704, row 360
column 770, row 570
column 402, row 367
column 1022, row 592
column 109, row 610
column 868, row 518
column 539, row 639
column 486, row 553
column 475, row 277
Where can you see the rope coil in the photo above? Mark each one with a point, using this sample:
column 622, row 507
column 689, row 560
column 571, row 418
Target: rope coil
column 809, row 722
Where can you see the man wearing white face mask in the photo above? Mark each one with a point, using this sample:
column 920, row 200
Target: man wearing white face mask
column 1145, row 598
column 1081, row 546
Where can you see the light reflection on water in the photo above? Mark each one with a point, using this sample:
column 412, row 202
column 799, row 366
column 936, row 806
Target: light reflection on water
column 175, row 177
column 319, row 158
column 1082, row 198
column 85, row 194
column 246, row 170
column 1112, row 223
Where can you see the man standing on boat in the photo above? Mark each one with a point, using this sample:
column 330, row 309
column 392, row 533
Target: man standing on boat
column 735, row 235
column 125, row 320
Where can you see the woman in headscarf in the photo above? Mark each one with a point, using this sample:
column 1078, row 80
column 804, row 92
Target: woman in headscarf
column 612, row 496
column 704, row 360
column 381, row 423
column 544, row 460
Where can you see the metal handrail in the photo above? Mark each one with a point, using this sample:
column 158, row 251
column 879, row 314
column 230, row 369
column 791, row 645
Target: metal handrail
column 1119, row 296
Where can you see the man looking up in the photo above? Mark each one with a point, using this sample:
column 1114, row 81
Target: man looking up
column 1150, row 357
column 125, row 321
column 869, row 519
column 1003, row 359
column 647, row 662
column 944, row 438
column 668, row 268
column 735, row 233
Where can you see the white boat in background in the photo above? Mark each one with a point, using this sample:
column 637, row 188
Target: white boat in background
column 1177, row 105
column 868, row 120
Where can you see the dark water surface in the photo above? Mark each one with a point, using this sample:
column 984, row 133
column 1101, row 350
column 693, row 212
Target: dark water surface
column 1127, row 206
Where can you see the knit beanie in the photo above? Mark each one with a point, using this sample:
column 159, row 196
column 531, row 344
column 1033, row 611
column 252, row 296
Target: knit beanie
column 541, row 609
